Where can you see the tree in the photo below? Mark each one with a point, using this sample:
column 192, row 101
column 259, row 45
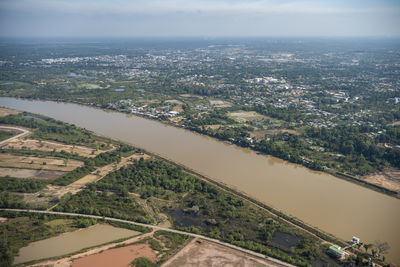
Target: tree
column 367, row 246
column 382, row 247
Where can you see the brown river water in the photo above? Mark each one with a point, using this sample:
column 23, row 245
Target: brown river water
column 334, row 205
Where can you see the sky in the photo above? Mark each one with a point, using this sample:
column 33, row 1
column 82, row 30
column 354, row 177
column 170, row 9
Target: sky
column 199, row 18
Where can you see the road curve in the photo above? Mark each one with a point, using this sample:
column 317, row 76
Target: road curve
column 155, row 227
column 24, row 132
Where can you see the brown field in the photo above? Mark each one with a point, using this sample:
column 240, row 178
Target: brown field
column 395, row 123
column 51, row 146
column 213, row 127
column 6, row 111
column 117, row 257
column 220, row 103
column 389, row 179
column 53, row 164
column 243, row 116
column 210, row 254
column 174, row 101
column 259, row 135
column 191, row 96
column 178, row 108
column 29, row 173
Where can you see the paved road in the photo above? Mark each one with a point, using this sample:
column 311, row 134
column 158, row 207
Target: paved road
column 24, row 132
column 275, row 261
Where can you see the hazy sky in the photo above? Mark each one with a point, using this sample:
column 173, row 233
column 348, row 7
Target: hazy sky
column 102, row 18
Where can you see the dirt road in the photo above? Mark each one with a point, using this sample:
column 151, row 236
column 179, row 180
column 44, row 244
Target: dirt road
column 24, row 133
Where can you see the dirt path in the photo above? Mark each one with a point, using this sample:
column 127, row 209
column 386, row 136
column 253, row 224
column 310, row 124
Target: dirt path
column 155, row 228
column 51, row 191
column 24, row 131
column 93, row 177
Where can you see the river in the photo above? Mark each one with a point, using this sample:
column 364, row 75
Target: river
column 334, row 205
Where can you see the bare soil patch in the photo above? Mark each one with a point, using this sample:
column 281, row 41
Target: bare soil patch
column 53, row 164
column 29, row 173
column 178, row 108
column 174, row 101
column 52, row 146
column 208, row 254
column 389, row 179
column 213, row 127
column 243, row 116
column 6, row 111
column 220, row 103
column 191, row 96
column 260, row 134
column 117, row 257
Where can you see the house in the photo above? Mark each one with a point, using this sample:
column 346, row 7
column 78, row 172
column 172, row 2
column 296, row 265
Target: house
column 355, row 240
column 336, row 252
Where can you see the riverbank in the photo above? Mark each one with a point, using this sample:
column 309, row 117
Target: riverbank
column 334, row 205
column 366, row 181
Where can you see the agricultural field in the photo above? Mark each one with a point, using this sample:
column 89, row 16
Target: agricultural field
column 52, row 164
column 244, row 116
column 31, row 144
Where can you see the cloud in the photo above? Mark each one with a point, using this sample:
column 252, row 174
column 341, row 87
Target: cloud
column 198, row 17
column 188, row 6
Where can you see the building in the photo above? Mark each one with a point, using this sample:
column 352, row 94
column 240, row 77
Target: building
column 355, row 240
column 337, row 252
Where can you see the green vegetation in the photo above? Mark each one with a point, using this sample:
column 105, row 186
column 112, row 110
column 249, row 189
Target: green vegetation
column 172, row 243
column 194, row 205
column 348, row 88
column 5, row 135
column 154, row 244
column 142, row 262
column 50, row 129
column 21, row 185
column 18, row 232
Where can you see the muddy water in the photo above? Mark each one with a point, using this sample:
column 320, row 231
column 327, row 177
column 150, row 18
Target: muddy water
column 71, row 242
column 331, row 204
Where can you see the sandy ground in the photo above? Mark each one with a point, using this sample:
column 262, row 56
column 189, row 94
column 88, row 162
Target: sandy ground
column 66, row 262
column 190, row 96
column 51, row 146
column 51, row 191
column 6, row 111
column 29, row 173
column 260, row 134
column 2, row 219
column 208, row 254
column 7, row 160
column 118, row 257
column 220, row 103
column 178, row 108
column 243, row 116
column 389, row 179
column 174, row 101
column 213, row 127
